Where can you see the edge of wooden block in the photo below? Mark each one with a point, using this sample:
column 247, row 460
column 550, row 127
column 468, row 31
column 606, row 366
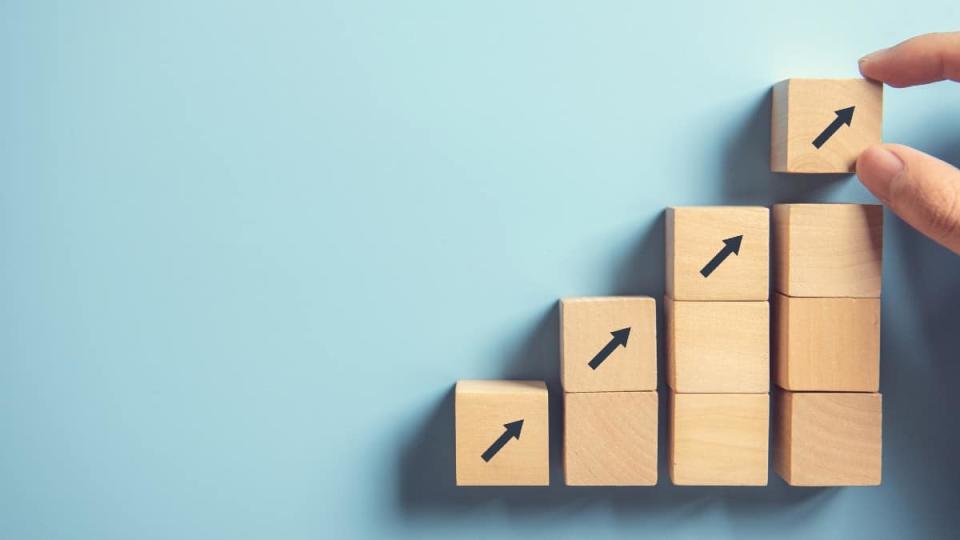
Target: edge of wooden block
column 669, row 249
column 780, row 225
column 779, row 334
column 495, row 386
column 669, row 330
column 779, row 118
column 563, row 371
column 781, row 435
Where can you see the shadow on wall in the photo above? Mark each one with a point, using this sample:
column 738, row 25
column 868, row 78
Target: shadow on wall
column 920, row 369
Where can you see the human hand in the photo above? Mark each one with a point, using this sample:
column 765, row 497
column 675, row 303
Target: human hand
column 919, row 188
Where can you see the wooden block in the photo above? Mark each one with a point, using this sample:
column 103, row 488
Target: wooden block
column 822, row 125
column 502, row 433
column 825, row 344
column 719, row 439
column 828, row 439
column 608, row 344
column 610, row 439
column 718, row 253
column 828, row 250
column 718, row 347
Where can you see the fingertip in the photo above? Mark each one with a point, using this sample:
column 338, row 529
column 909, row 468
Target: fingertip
column 877, row 167
column 868, row 63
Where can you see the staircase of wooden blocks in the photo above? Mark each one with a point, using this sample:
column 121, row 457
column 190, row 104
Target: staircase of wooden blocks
column 826, row 340
column 827, row 343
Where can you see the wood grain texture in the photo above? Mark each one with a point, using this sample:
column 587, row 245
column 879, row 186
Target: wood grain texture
column 803, row 108
column 585, row 329
column 718, row 347
column 694, row 235
column 481, row 410
column 719, row 439
column 828, row 439
column 827, row 344
column 610, row 439
column 828, row 250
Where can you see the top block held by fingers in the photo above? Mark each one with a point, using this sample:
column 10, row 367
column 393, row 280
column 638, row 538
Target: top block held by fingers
column 822, row 125
column 718, row 253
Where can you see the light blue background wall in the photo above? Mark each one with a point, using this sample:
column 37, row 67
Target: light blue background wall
column 246, row 249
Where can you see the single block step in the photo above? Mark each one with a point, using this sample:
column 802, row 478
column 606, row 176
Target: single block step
column 502, row 433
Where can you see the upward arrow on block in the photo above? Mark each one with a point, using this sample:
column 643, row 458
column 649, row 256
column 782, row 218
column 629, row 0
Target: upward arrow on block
column 512, row 431
column 730, row 245
column 619, row 339
column 844, row 116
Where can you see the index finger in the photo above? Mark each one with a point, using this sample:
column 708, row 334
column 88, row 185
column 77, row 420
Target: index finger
column 920, row 60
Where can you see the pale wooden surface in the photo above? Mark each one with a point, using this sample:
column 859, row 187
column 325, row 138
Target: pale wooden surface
column 829, row 439
column 803, row 108
column 719, row 439
column 585, row 329
column 718, row 347
column 610, row 439
column 828, row 250
column 694, row 235
column 481, row 410
column 827, row 343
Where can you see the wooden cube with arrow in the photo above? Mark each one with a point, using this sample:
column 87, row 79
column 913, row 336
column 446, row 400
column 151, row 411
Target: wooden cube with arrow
column 718, row 253
column 502, row 433
column 608, row 344
column 822, row 125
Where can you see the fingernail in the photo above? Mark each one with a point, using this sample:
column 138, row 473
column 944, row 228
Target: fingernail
column 869, row 57
column 877, row 169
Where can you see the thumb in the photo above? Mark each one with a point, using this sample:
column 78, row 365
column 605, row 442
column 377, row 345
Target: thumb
column 919, row 188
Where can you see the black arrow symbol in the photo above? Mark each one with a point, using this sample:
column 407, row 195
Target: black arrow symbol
column 513, row 430
column 844, row 116
column 730, row 245
column 619, row 339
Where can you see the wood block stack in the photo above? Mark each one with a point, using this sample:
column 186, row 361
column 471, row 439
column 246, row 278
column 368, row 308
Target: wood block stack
column 608, row 354
column 718, row 344
column 827, row 343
